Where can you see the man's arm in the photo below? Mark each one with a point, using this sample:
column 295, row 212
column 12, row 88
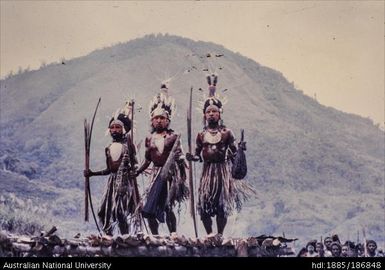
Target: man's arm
column 231, row 142
column 144, row 166
column 147, row 158
column 181, row 161
column 106, row 171
column 132, row 151
column 198, row 150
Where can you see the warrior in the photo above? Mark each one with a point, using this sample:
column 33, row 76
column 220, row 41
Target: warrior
column 163, row 150
column 219, row 192
column 120, row 199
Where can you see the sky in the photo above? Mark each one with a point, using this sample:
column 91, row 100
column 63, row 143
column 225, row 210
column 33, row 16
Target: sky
column 332, row 50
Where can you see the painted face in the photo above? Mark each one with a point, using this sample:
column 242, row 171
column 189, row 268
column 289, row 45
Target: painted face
column 116, row 131
column 160, row 123
column 212, row 115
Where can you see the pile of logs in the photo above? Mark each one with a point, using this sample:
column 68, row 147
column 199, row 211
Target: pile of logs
column 48, row 244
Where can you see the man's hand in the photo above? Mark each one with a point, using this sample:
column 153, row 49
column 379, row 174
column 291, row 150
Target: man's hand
column 88, row 173
column 178, row 153
column 191, row 157
column 126, row 160
column 242, row 145
column 133, row 174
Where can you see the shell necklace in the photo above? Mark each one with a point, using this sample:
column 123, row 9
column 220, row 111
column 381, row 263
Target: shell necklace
column 213, row 136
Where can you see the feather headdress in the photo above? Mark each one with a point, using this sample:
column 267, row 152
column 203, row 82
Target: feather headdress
column 123, row 117
column 212, row 98
column 162, row 103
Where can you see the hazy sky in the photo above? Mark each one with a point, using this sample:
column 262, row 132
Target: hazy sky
column 333, row 50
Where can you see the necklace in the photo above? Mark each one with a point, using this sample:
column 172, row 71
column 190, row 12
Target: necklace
column 212, row 137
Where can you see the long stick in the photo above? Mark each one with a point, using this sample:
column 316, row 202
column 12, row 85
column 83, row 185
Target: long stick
column 88, row 198
column 136, row 193
column 365, row 248
column 191, row 182
column 87, row 166
column 89, row 148
column 92, row 123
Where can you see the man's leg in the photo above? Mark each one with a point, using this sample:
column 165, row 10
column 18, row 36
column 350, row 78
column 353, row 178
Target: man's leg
column 207, row 222
column 123, row 227
column 153, row 224
column 221, row 223
column 221, row 220
column 170, row 220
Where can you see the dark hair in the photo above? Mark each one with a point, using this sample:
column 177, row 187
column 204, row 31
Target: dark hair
column 336, row 244
column 212, row 101
column 350, row 244
column 328, row 238
column 335, row 238
column 124, row 119
column 152, row 129
column 301, row 252
column 371, row 242
column 311, row 243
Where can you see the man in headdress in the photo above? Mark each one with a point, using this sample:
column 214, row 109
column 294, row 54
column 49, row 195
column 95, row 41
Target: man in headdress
column 219, row 192
column 163, row 194
column 120, row 199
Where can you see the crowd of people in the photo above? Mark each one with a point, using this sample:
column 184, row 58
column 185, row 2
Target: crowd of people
column 331, row 246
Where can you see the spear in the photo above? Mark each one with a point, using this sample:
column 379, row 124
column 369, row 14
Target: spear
column 136, row 192
column 365, row 248
column 191, row 186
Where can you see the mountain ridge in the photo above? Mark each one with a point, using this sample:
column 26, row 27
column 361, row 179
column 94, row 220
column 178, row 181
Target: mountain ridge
column 295, row 144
